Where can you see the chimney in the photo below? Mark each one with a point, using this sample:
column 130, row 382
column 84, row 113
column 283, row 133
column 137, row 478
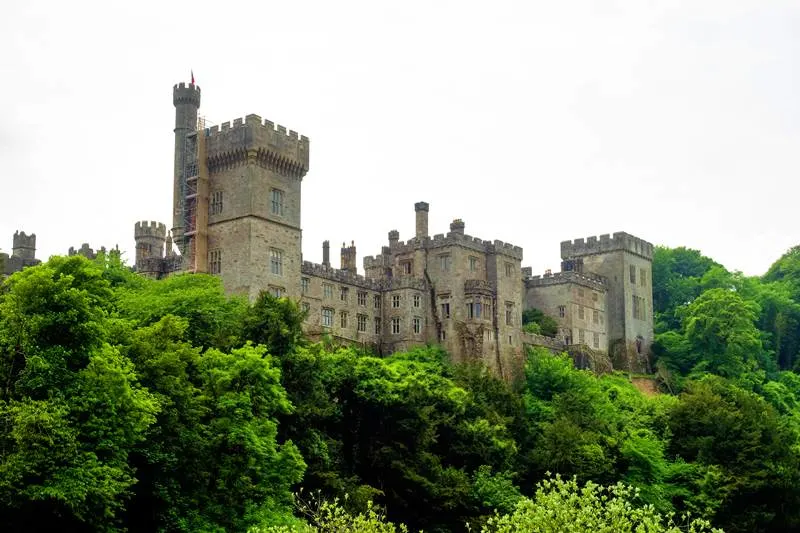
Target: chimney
column 422, row 209
column 349, row 258
column 457, row 226
column 326, row 254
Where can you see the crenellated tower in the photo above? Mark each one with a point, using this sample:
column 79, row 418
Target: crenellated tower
column 626, row 263
column 255, row 172
column 24, row 246
column 150, row 238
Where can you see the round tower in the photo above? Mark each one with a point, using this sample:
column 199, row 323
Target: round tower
column 186, row 99
column 150, row 238
column 24, row 246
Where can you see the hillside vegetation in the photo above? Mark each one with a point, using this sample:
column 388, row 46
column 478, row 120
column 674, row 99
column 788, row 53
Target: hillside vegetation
column 141, row 405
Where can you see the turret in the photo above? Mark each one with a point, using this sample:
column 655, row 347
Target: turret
column 150, row 238
column 349, row 258
column 24, row 246
column 186, row 99
column 394, row 238
column 421, row 209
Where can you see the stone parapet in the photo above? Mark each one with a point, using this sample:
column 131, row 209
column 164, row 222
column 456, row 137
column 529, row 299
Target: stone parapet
column 456, row 239
column 592, row 281
column 339, row 276
column 532, row 339
column 149, row 229
column 478, row 286
column 272, row 146
column 606, row 243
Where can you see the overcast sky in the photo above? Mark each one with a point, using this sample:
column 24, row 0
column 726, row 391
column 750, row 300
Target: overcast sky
column 533, row 121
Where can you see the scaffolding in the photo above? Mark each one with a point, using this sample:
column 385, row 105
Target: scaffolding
column 193, row 243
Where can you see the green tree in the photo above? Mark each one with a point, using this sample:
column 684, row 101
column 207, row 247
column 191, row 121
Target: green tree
column 71, row 406
column 545, row 324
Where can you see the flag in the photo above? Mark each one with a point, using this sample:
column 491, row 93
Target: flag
column 192, row 72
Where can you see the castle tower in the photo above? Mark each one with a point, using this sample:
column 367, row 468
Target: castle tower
column 24, row 246
column 255, row 171
column 150, row 238
column 186, row 99
column 626, row 262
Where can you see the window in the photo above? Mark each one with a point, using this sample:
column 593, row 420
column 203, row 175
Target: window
column 304, row 285
column 442, row 335
column 362, row 322
column 327, row 317
column 446, row 310
column 473, row 264
column 596, row 340
column 277, row 292
column 509, row 314
column 216, row 202
column 444, row 262
column 215, row 261
column 343, row 292
column 580, row 292
column 327, row 291
column 417, row 325
column 473, row 310
column 487, row 308
column 395, row 301
column 395, row 325
column 562, row 311
column 362, row 298
column 633, row 274
column 377, row 325
column 642, row 277
column 276, row 261
column 638, row 308
column 343, row 319
column 594, row 296
column 407, row 267
column 376, row 301
column 306, row 307
column 581, row 336
column 580, row 312
column 509, row 270
column 596, row 316
column 416, row 300
column 276, row 197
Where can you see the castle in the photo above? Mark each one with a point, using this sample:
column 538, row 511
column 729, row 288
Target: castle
column 237, row 214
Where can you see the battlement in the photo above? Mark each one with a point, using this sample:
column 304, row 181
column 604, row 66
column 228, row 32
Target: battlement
column 149, row 229
column 21, row 240
column 441, row 240
column 183, row 93
column 592, row 281
column 274, row 145
column 339, row 276
column 606, row 243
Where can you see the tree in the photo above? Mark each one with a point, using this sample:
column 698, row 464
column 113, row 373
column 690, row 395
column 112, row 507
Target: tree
column 545, row 324
column 71, row 405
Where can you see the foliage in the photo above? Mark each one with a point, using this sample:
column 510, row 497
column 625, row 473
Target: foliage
column 564, row 506
column 535, row 321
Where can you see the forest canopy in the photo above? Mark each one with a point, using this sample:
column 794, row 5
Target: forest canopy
column 134, row 404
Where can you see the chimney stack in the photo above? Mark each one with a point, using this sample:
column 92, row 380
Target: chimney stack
column 349, row 258
column 326, row 254
column 422, row 209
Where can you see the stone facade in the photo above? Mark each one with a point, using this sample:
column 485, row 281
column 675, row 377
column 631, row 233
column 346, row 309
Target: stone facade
column 237, row 214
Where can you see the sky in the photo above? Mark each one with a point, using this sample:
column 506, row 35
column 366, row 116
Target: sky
column 533, row 121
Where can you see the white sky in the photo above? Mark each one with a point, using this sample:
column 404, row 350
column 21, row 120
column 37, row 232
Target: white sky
column 534, row 121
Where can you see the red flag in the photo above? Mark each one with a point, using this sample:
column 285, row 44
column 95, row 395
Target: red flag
column 192, row 71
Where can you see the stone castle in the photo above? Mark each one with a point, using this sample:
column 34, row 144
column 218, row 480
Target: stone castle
column 237, row 214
